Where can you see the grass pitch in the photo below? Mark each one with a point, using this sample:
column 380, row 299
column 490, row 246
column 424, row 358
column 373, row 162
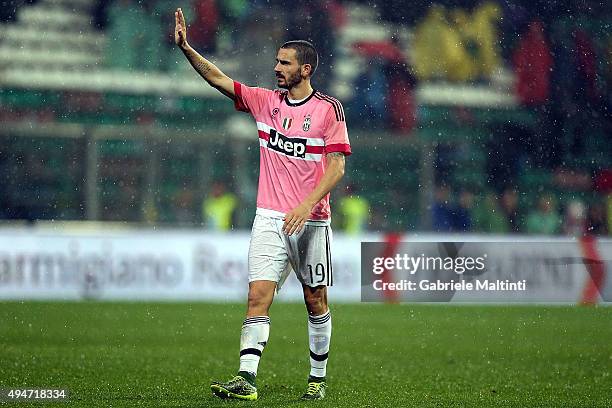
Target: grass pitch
column 165, row 354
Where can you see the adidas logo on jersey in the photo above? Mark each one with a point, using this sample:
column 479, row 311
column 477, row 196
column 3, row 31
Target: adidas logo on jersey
column 290, row 146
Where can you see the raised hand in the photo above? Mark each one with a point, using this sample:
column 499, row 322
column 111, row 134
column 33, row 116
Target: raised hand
column 204, row 67
column 180, row 29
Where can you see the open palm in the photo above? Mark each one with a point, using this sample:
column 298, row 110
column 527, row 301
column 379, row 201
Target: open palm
column 180, row 29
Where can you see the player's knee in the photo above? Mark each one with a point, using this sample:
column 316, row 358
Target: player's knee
column 255, row 299
column 316, row 302
column 258, row 301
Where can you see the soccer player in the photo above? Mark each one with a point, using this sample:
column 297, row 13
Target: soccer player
column 303, row 142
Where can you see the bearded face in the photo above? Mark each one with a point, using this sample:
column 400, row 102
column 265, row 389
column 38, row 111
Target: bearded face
column 291, row 79
column 287, row 70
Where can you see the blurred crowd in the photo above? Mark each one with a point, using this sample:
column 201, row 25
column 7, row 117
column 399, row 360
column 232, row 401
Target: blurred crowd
column 142, row 32
column 452, row 211
column 463, row 211
column 555, row 56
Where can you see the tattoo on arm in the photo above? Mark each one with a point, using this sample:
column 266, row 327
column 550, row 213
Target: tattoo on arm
column 335, row 154
column 203, row 68
column 337, row 158
column 210, row 72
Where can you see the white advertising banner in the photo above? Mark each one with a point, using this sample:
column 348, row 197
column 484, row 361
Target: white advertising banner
column 146, row 265
column 133, row 264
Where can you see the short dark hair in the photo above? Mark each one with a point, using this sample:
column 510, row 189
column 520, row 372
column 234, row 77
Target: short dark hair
column 305, row 53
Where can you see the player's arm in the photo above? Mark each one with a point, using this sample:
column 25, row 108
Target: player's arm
column 295, row 219
column 205, row 68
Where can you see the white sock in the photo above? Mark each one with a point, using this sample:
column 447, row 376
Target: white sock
column 253, row 339
column 319, row 336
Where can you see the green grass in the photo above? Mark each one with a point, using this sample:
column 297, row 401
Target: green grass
column 165, row 354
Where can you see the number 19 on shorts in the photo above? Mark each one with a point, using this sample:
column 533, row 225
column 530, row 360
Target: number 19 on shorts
column 316, row 273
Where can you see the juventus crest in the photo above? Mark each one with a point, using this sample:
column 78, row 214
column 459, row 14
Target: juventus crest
column 306, row 125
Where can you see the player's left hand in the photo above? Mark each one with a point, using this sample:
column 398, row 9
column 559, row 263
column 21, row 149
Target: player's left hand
column 295, row 219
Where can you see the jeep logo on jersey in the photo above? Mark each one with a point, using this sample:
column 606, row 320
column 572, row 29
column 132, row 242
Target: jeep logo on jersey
column 291, row 146
column 306, row 125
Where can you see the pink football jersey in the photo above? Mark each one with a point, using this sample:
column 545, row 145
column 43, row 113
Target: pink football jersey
column 293, row 140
